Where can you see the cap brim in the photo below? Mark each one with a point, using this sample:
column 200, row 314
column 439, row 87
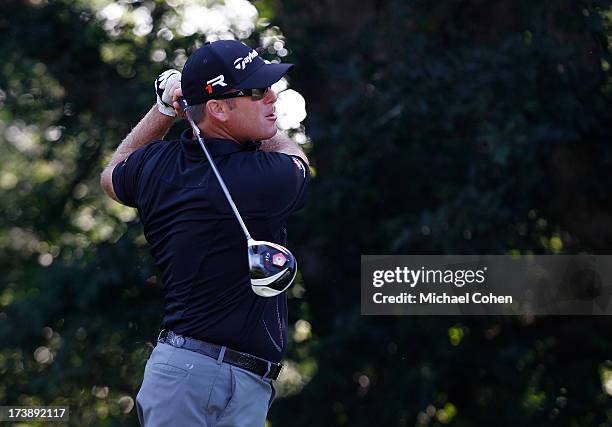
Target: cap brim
column 264, row 76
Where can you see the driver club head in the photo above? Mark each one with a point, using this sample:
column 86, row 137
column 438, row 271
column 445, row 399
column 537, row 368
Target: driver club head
column 272, row 267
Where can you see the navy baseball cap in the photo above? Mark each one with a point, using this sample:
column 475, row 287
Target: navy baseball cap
column 226, row 64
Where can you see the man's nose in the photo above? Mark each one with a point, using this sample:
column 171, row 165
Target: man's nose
column 270, row 96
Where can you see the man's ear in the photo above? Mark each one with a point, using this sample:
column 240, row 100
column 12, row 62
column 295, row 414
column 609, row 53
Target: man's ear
column 217, row 109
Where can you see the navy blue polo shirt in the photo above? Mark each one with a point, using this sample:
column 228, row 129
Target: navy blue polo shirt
column 197, row 243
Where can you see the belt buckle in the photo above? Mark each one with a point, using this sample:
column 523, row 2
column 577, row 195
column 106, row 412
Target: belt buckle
column 176, row 340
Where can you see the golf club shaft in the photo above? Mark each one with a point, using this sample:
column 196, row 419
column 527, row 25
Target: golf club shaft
column 228, row 196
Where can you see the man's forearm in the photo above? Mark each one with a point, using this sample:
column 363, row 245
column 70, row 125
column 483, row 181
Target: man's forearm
column 153, row 126
column 281, row 143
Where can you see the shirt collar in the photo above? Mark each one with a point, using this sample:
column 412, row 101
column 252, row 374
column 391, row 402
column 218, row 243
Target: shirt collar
column 216, row 147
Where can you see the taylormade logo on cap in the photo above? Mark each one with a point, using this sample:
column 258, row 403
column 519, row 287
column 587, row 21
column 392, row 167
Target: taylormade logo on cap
column 241, row 63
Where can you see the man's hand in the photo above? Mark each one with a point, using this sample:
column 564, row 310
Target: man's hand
column 178, row 92
column 165, row 86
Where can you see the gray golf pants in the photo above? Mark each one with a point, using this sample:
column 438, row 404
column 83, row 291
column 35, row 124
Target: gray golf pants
column 184, row 388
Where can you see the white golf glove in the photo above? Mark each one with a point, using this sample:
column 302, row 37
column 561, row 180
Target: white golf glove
column 165, row 84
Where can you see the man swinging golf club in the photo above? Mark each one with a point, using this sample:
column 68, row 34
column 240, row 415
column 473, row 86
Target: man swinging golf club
column 214, row 206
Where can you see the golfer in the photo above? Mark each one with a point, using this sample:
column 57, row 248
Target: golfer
column 220, row 344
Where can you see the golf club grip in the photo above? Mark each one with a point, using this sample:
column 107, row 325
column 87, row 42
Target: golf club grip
column 183, row 103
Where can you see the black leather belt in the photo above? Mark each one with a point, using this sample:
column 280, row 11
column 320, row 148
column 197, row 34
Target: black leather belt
column 261, row 367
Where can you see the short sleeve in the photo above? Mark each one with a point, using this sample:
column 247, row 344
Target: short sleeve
column 126, row 177
column 284, row 182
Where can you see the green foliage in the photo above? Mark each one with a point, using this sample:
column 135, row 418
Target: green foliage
column 453, row 127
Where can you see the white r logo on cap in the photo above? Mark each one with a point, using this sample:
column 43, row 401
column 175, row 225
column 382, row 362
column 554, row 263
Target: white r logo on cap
column 217, row 81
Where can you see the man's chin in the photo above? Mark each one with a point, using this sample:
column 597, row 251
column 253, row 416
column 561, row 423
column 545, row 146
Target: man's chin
column 271, row 133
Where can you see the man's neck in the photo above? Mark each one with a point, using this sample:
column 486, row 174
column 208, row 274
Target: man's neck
column 216, row 133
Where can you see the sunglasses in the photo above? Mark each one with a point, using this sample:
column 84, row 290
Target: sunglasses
column 255, row 94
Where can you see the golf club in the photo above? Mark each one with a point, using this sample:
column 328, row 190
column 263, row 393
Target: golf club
column 272, row 267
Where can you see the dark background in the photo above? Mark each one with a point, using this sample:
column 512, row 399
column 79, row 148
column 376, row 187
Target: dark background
column 450, row 126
